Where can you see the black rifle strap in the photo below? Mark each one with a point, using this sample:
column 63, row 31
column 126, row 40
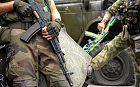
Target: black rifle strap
column 49, row 6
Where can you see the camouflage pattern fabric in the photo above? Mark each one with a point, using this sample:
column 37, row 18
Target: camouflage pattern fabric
column 24, row 61
column 112, row 10
column 113, row 48
column 4, row 35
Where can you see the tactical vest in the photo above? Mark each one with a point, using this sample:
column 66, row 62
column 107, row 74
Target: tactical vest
column 132, row 18
column 10, row 19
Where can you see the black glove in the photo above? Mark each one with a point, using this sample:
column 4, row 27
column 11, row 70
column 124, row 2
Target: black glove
column 23, row 8
column 54, row 27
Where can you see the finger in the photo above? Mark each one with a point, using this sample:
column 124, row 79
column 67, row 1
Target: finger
column 45, row 34
column 102, row 31
column 44, row 30
column 48, row 36
column 35, row 13
column 99, row 28
column 45, row 27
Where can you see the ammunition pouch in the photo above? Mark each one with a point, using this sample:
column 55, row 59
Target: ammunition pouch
column 9, row 17
column 5, row 33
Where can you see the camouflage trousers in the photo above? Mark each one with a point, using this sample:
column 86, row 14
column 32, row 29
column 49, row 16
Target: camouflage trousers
column 112, row 49
column 25, row 60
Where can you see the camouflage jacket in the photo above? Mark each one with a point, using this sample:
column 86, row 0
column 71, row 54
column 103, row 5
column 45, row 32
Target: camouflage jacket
column 130, row 14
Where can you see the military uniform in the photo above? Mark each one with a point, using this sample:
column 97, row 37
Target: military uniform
column 24, row 60
column 117, row 45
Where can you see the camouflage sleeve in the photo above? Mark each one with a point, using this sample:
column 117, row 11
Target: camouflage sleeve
column 112, row 10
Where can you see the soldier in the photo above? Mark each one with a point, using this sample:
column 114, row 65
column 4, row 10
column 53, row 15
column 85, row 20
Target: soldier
column 130, row 34
column 25, row 59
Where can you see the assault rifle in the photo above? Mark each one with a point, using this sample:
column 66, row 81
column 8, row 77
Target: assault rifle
column 40, row 23
column 97, row 37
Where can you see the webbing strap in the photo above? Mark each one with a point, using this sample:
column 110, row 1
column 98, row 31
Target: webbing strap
column 19, row 25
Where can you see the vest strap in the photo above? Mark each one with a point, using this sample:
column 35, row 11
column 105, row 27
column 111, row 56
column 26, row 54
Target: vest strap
column 20, row 25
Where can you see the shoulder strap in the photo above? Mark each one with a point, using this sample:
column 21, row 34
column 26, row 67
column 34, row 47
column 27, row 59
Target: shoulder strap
column 48, row 3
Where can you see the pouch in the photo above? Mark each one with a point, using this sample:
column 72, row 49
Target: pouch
column 5, row 33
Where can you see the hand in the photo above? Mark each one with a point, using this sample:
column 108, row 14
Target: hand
column 50, row 32
column 101, row 27
column 23, row 8
column 52, row 29
column 46, row 34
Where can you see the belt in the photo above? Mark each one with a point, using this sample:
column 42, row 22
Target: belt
column 20, row 25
